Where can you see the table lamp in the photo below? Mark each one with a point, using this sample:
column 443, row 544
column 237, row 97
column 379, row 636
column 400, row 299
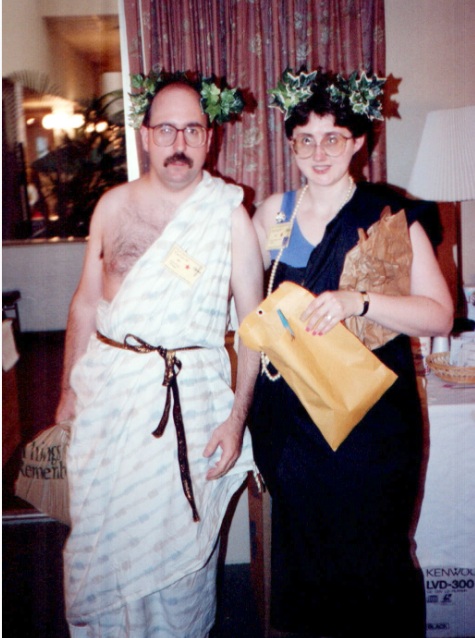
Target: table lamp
column 444, row 168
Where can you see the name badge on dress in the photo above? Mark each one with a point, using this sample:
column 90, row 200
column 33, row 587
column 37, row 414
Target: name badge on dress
column 279, row 236
column 182, row 264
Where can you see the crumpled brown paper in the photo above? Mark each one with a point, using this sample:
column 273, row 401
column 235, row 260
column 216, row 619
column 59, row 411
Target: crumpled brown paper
column 380, row 262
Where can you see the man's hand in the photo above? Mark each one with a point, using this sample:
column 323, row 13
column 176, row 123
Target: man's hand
column 66, row 407
column 229, row 438
column 247, row 288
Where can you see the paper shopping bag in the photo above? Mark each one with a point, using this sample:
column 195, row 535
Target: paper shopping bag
column 335, row 376
column 380, row 262
column 43, row 480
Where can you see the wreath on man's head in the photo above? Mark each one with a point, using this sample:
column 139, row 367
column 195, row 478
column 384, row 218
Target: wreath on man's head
column 219, row 104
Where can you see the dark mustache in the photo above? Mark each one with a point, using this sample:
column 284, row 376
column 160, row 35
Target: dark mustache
column 179, row 157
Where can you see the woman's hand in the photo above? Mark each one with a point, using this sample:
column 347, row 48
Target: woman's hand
column 426, row 309
column 331, row 307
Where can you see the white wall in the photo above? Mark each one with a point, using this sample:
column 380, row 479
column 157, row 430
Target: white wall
column 73, row 8
column 77, row 80
column 431, row 47
column 24, row 38
column 28, row 46
column 46, row 274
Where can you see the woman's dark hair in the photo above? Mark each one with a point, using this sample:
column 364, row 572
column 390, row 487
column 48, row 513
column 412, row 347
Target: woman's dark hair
column 321, row 104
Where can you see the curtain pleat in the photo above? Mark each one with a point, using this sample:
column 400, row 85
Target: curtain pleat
column 249, row 43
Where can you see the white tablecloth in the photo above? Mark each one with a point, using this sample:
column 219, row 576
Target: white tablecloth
column 445, row 534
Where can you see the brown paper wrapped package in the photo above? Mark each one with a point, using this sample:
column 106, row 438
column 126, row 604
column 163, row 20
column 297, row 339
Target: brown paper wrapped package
column 380, row 262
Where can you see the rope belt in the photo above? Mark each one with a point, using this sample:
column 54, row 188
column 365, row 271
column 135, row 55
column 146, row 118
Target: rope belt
column 172, row 368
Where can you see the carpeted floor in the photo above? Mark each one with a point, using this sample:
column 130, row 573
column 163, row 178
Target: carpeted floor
column 32, row 585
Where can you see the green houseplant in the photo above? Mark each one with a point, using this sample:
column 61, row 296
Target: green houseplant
column 75, row 174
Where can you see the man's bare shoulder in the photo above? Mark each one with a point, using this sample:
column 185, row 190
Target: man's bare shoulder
column 116, row 199
column 121, row 193
column 240, row 211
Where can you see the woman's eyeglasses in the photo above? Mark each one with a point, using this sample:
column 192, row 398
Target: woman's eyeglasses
column 333, row 144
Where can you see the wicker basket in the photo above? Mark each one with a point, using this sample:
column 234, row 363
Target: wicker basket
column 439, row 364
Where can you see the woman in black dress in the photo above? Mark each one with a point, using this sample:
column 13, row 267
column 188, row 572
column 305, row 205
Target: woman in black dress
column 342, row 560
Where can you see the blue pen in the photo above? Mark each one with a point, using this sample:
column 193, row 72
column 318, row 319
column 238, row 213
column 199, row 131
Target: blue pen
column 285, row 323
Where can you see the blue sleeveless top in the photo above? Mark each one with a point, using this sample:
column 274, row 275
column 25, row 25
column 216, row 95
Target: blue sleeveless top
column 298, row 250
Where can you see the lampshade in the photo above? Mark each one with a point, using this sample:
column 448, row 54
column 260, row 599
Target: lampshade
column 444, row 170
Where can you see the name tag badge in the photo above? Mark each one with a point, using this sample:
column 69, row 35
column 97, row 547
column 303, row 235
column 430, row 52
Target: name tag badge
column 179, row 262
column 279, row 235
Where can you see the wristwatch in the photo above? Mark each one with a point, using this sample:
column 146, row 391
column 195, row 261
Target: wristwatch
column 365, row 297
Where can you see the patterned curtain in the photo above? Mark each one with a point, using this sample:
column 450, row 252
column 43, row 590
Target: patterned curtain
column 250, row 43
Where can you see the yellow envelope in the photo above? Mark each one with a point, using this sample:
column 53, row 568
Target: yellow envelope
column 335, row 376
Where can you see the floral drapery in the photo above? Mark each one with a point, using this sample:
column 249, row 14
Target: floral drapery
column 250, row 43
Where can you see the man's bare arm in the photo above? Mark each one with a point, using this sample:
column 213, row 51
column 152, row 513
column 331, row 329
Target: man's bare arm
column 247, row 289
column 82, row 316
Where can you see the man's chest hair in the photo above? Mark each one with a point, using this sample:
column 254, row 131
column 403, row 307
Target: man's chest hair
column 134, row 230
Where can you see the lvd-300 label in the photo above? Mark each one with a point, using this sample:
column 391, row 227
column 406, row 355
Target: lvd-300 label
column 451, row 579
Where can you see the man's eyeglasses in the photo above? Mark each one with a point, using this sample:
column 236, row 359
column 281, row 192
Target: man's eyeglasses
column 166, row 134
column 333, row 144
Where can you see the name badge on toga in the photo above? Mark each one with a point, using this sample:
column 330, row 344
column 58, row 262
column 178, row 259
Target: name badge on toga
column 279, row 235
column 180, row 263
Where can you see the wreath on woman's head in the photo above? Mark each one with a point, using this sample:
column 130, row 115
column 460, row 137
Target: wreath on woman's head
column 360, row 93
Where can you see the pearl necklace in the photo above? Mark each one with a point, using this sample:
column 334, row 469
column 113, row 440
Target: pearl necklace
column 348, row 195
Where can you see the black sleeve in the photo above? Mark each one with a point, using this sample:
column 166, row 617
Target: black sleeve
column 426, row 213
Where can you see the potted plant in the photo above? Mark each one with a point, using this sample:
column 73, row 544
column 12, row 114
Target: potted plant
column 75, row 174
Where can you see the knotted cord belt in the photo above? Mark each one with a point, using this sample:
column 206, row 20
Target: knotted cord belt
column 172, row 368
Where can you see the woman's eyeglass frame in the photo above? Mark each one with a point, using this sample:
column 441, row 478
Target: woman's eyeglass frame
column 306, row 151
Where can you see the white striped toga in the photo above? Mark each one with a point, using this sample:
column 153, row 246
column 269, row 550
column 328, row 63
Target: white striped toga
column 132, row 528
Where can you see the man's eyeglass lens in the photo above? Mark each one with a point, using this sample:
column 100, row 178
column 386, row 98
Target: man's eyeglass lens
column 332, row 144
column 166, row 134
